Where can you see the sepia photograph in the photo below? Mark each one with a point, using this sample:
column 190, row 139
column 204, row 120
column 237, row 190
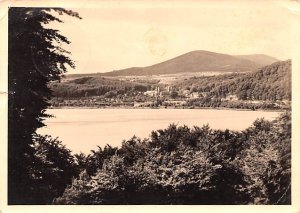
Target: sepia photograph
column 140, row 103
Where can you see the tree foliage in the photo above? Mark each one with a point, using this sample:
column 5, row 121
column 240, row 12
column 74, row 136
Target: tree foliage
column 182, row 165
column 35, row 58
column 52, row 169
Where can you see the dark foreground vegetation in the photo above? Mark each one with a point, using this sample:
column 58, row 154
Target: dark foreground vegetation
column 34, row 60
column 182, row 165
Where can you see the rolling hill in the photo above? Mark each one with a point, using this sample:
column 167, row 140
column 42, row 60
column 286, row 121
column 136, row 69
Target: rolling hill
column 271, row 82
column 259, row 59
column 198, row 61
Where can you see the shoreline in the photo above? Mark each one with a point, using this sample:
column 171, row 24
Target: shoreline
column 182, row 108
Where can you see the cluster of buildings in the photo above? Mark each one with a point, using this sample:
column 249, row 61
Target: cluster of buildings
column 158, row 92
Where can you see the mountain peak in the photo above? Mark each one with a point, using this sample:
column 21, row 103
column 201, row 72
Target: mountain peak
column 199, row 61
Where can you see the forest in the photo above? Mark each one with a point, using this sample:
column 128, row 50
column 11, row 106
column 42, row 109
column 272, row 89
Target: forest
column 272, row 82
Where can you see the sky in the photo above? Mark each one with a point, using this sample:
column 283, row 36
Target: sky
column 117, row 36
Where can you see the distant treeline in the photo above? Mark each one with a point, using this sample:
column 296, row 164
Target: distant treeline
column 182, row 165
column 96, row 86
column 271, row 82
column 239, row 104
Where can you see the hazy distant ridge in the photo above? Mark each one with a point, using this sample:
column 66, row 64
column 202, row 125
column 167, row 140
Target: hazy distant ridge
column 259, row 58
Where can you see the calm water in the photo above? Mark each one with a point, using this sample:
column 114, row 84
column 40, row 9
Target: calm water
column 83, row 129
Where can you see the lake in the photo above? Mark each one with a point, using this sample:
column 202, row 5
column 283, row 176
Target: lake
column 81, row 130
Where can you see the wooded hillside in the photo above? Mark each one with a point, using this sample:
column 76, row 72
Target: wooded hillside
column 272, row 82
column 95, row 86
